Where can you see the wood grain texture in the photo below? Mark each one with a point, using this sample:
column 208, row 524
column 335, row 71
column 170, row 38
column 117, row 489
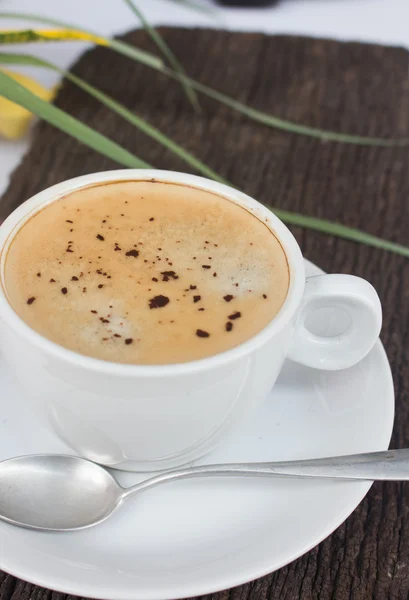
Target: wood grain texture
column 353, row 88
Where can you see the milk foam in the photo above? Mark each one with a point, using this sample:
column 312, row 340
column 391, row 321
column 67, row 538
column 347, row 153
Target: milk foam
column 146, row 273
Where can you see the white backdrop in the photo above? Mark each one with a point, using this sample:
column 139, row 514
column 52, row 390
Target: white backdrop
column 382, row 21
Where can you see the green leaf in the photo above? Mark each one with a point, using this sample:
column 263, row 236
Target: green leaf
column 141, row 56
column 339, row 230
column 251, row 113
column 142, row 124
column 167, row 52
column 17, row 93
column 284, row 125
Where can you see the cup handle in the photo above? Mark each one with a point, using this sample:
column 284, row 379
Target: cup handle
column 352, row 323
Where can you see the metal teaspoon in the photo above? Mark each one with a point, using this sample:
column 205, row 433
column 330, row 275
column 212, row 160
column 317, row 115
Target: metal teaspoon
column 52, row 492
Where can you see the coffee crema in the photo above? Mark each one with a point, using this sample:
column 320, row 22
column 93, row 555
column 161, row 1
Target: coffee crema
column 143, row 272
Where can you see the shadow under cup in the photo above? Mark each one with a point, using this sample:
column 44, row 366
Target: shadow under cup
column 136, row 417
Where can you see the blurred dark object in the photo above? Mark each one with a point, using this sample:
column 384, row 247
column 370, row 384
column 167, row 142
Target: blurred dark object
column 247, row 3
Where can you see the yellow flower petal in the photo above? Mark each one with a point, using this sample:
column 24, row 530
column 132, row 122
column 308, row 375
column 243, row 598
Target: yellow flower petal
column 15, row 120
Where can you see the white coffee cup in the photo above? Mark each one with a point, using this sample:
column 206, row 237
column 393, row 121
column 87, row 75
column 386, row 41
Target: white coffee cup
column 155, row 417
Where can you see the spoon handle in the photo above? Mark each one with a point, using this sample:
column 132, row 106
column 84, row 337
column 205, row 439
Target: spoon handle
column 390, row 465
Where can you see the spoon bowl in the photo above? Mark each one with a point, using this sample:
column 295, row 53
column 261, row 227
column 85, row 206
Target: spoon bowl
column 56, row 492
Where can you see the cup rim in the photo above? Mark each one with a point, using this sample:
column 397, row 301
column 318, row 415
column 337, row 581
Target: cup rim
column 10, row 227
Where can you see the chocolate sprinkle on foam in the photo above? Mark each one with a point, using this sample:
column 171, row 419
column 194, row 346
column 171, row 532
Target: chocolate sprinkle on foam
column 234, row 316
column 206, row 267
column 158, row 301
column 31, row 300
column 202, row 334
column 128, row 341
column 228, row 298
column 100, row 237
column 133, row 253
column 229, row 326
column 196, row 299
column 64, row 290
column 166, row 275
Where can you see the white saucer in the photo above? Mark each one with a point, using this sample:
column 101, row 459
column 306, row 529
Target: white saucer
column 195, row 537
